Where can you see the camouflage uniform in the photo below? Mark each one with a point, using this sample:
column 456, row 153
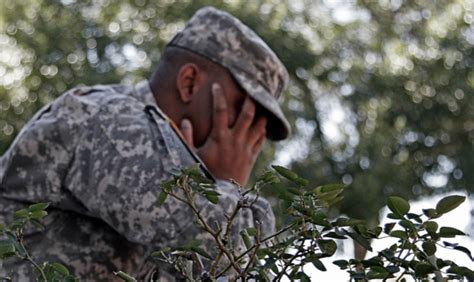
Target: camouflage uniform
column 99, row 154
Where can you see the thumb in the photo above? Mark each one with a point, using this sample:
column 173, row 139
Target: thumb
column 187, row 130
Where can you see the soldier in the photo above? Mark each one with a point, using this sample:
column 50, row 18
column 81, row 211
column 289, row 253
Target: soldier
column 99, row 154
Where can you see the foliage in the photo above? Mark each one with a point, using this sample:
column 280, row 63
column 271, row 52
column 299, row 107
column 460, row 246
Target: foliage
column 12, row 245
column 308, row 237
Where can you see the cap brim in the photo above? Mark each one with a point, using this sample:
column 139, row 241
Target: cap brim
column 278, row 127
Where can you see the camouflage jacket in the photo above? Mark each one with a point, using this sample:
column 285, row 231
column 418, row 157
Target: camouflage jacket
column 98, row 155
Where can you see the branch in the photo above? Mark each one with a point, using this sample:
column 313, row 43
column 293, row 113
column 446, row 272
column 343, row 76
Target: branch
column 208, row 229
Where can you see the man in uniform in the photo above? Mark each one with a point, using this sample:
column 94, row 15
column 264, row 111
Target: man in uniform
column 99, row 154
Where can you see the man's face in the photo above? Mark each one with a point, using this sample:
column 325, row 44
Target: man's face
column 203, row 107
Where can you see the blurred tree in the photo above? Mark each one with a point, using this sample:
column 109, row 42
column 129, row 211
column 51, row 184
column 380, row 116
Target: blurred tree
column 381, row 93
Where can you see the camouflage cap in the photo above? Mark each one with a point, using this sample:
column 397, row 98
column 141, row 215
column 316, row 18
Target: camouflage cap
column 225, row 40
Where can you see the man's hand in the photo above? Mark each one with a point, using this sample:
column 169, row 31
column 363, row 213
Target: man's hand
column 229, row 152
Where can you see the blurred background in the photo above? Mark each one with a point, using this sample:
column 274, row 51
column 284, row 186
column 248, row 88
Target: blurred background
column 381, row 92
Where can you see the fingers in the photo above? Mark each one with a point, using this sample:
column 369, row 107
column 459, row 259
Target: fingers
column 187, row 132
column 246, row 116
column 258, row 145
column 257, row 130
column 220, row 115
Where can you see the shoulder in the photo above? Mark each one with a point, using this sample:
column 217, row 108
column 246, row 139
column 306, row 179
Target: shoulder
column 101, row 96
column 81, row 104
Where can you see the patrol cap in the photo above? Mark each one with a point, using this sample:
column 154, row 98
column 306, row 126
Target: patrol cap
column 225, row 40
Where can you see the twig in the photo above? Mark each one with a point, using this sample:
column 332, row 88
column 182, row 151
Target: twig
column 208, row 229
column 256, row 246
column 287, row 264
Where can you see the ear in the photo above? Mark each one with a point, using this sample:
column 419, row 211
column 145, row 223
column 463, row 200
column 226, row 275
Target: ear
column 187, row 81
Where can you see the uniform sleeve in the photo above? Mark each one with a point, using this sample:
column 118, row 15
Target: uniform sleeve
column 34, row 167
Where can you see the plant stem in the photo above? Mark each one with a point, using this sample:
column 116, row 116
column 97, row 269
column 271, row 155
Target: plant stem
column 208, row 229
column 30, row 260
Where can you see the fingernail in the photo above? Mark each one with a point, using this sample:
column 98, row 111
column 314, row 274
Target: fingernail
column 216, row 88
column 185, row 123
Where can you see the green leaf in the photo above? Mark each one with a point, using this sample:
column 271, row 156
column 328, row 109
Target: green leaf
column 320, row 219
column 288, row 174
column 343, row 221
column 211, row 196
column 449, row 203
column 202, row 252
column 431, row 213
column 303, row 210
column 375, row 232
column 6, row 249
column 60, row 268
column 252, row 231
column 431, row 226
column 343, row 264
column 388, row 227
column 38, row 224
column 175, row 172
column 362, row 230
column 317, row 263
column 392, row 268
column 415, row 217
column 263, row 252
column 372, row 263
column 398, row 206
column 449, row 232
column 331, row 202
column 331, row 188
column 38, row 207
column 294, row 191
column 423, row 269
column 328, row 247
column 391, row 215
column 162, row 197
column 246, row 239
column 442, row 263
column 378, row 275
column 193, row 243
column 429, row 247
column 464, row 250
column 354, row 261
column 12, row 239
column 23, row 213
column 268, row 177
column 379, row 269
column 399, row 234
column 388, row 254
column 407, row 224
column 359, row 239
column 124, row 276
column 301, row 181
column 303, row 277
column 38, row 214
column 70, row 278
column 358, row 275
column 195, row 169
column 462, row 271
column 334, row 235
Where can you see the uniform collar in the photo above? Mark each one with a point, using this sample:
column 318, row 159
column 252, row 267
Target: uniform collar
column 144, row 94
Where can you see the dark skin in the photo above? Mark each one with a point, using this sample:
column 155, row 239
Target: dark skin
column 217, row 118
